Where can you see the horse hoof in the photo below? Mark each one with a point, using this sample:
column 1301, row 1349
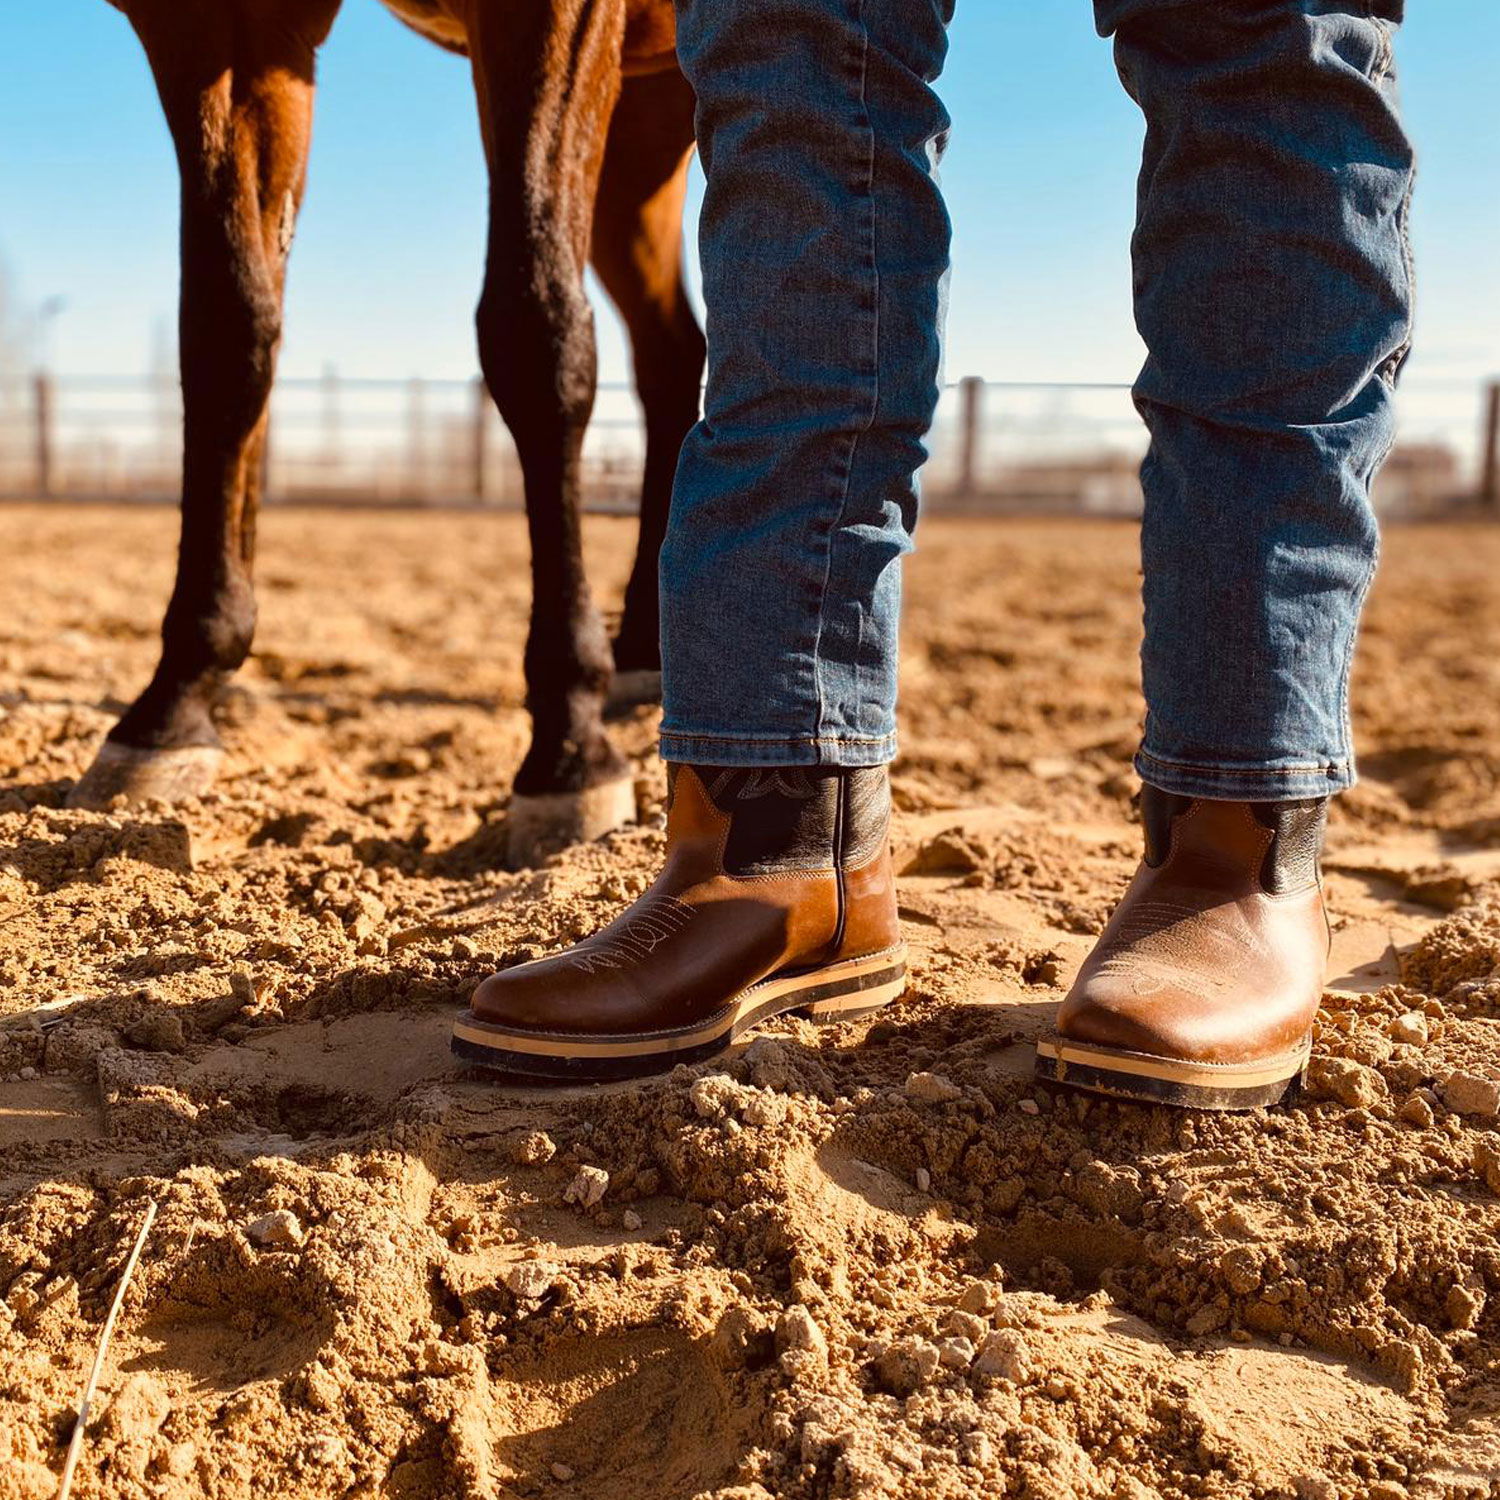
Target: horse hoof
column 146, row 775
column 632, row 689
column 539, row 826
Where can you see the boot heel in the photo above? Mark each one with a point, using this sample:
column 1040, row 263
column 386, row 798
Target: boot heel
column 858, row 988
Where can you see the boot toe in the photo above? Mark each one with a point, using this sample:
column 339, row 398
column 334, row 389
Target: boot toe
column 524, row 998
column 1153, row 1017
column 1113, row 1015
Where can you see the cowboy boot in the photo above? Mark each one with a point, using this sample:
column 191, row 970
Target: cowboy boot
column 1203, row 988
column 777, row 895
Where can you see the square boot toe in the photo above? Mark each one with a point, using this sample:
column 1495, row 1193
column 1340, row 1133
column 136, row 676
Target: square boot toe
column 553, row 996
column 1151, row 1017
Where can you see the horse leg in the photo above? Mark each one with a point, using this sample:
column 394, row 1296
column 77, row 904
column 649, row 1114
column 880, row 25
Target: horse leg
column 238, row 100
column 547, row 75
column 637, row 252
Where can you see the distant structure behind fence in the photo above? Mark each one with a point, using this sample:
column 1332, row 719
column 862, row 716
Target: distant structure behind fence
column 997, row 447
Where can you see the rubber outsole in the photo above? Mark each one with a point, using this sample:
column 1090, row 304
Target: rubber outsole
column 1161, row 1080
column 828, row 996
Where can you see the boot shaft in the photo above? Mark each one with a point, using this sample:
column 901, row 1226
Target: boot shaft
column 785, row 819
column 1273, row 847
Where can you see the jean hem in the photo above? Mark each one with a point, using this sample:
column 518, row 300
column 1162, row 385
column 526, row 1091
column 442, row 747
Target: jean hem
column 807, row 750
column 1246, row 783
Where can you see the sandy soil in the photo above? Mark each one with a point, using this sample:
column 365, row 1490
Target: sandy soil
column 876, row 1261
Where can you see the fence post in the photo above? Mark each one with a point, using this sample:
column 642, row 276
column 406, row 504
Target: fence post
column 416, row 439
column 1489, row 483
column 333, row 446
column 480, row 418
column 42, row 394
column 971, row 395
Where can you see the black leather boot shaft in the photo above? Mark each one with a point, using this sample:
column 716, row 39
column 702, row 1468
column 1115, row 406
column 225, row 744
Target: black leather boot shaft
column 798, row 817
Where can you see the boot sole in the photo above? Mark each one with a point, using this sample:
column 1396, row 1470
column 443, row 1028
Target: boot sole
column 1162, row 1080
column 828, row 996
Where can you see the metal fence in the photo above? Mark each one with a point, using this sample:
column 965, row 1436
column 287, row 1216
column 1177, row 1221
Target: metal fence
column 996, row 446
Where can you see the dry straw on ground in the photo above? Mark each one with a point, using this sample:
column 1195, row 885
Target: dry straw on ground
column 101, row 1352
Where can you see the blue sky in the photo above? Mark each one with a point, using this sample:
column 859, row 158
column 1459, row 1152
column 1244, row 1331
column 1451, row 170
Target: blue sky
column 386, row 268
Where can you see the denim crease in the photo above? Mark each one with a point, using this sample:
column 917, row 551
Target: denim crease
column 1272, row 287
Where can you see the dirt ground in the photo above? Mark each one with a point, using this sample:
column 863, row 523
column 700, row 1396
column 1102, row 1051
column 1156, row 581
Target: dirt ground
column 876, row 1261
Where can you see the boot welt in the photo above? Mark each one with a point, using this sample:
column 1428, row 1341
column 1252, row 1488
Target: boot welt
column 828, row 995
column 1165, row 1080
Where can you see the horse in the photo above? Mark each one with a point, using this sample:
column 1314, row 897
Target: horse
column 587, row 127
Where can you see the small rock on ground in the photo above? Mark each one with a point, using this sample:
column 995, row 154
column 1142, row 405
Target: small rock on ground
column 588, row 1187
column 278, row 1230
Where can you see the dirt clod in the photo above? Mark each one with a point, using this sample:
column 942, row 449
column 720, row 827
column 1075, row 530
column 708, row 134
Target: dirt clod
column 1003, row 1356
column 588, row 1187
column 1472, row 1094
column 278, row 1230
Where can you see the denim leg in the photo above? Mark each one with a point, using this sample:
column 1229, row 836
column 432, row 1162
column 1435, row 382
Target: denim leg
column 1273, row 290
column 825, row 251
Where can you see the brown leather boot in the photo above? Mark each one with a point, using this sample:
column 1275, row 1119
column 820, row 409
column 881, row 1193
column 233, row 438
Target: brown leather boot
column 777, row 895
column 1203, row 988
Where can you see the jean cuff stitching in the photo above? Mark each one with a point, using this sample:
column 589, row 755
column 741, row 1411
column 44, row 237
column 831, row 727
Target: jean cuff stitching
column 1202, row 768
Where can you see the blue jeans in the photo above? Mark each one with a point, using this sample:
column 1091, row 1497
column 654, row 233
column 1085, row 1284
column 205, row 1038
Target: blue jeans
column 1272, row 288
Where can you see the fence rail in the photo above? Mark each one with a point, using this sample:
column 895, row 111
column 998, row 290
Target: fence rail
column 1003, row 445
